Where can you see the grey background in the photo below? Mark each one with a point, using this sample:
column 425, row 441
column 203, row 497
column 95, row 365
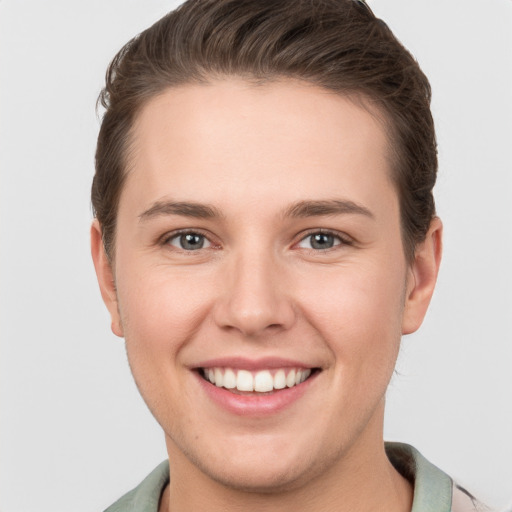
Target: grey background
column 74, row 434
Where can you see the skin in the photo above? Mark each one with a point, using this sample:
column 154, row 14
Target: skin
column 259, row 288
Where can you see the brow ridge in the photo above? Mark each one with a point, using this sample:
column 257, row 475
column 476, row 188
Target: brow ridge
column 317, row 208
column 301, row 209
column 184, row 208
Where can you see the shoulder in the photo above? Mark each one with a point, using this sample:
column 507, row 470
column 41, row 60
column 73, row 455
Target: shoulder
column 463, row 501
column 434, row 490
column 146, row 496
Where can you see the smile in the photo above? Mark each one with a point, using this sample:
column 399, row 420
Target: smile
column 255, row 388
column 262, row 381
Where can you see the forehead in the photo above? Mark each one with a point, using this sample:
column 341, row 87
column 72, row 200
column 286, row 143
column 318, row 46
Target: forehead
column 232, row 138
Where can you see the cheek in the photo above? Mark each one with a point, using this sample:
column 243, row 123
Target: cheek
column 355, row 298
column 358, row 311
column 159, row 308
column 161, row 312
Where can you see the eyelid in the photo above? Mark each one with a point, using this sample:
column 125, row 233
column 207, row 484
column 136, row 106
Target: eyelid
column 345, row 240
column 168, row 236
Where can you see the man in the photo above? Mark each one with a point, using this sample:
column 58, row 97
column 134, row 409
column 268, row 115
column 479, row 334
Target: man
column 265, row 233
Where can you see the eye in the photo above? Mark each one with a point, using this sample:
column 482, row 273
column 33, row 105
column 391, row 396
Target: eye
column 189, row 241
column 320, row 241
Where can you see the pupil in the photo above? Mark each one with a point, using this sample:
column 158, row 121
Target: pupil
column 191, row 241
column 322, row 241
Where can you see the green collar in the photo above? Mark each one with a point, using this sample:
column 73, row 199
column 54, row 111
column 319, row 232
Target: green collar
column 432, row 487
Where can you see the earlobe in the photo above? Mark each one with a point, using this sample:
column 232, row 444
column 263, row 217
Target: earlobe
column 105, row 278
column 422, row 278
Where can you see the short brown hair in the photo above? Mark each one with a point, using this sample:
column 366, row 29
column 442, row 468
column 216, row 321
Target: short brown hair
column 337, row 44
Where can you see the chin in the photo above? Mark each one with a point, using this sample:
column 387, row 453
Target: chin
column 263, row 478
column 259, row 464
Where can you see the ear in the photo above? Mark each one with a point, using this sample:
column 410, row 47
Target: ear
column 422, row 276
column 105, row 278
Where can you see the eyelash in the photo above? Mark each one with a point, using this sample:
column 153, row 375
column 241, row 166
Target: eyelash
column 168, row 237
column 342, row 238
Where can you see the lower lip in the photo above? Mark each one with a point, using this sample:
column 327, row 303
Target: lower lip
column 257, row 404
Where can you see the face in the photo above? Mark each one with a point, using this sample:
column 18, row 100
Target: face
column 258, row 246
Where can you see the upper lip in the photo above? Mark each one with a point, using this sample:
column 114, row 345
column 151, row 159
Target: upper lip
column 243, row 363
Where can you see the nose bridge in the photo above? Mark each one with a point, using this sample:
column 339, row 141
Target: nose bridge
column 254, row 297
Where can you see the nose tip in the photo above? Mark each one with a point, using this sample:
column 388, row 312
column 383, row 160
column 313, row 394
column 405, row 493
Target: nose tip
column 252, row 320
column 255, row 302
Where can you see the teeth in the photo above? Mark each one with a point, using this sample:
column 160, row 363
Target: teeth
column 262, row 381
column 244, row 381
column 290, row 379
column 229, row 381
column 280, row 379
column 219, row 377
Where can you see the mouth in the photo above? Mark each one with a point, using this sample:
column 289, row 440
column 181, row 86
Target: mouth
column 256, row 383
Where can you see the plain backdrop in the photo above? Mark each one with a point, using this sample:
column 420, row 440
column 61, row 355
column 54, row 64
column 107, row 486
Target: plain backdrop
column 75, row 434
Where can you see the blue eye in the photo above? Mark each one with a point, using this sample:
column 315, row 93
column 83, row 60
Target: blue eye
column 189, row 241
column 320, row 241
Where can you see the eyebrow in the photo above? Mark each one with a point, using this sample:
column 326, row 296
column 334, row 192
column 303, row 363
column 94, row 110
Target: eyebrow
column 304, row 209
column 301, row 209
column 183, row 208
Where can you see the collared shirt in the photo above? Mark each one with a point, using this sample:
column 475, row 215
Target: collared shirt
column 434, row 490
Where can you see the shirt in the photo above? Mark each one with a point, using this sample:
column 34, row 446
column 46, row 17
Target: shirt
column 434, row 490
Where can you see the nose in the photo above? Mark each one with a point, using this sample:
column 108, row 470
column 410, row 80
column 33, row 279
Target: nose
column 254, row 299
